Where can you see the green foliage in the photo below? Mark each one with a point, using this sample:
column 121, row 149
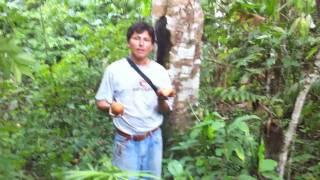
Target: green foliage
column 50, row 128
column 232, row 94
column 14, row 61
column 11, row 163
column 217, row 147
column 50, row 125
column 266, row 166
column 107, row 172
column 175, row 168
column 257, row 53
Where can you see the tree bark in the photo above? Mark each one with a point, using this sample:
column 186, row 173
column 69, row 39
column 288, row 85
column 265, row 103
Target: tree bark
column 185, row 24
column 289, row 137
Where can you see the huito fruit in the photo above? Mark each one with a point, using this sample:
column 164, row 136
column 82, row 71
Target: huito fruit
column 117, row 108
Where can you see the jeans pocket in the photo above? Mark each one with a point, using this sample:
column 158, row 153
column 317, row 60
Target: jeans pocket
column 120, row 144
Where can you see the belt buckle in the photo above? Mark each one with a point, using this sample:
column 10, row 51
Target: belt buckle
column 141, row 137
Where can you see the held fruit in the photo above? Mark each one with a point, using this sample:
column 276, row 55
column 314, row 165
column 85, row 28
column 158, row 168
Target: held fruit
column 117, row 108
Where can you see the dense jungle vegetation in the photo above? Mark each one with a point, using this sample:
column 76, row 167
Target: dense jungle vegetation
column 256, row 54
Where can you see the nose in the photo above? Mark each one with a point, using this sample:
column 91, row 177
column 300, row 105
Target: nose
column 141, row 42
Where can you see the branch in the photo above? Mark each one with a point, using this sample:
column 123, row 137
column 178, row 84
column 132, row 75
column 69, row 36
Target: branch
column 289, row 137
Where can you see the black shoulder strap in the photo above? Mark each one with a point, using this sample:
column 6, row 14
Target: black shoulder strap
column 135, row 67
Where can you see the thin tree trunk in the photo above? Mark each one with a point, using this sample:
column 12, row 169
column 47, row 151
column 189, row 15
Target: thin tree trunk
column 289, row 137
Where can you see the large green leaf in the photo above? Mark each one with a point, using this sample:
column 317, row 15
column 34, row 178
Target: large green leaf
column 246, row 177
column 267, row 165
column 175, row 168
column 239, row 124
column 13, row 60
column 240, row 152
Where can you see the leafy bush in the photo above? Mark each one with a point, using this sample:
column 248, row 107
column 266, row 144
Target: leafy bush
column 220, row 148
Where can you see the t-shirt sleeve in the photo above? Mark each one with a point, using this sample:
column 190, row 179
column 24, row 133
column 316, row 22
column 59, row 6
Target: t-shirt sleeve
column 105, row 91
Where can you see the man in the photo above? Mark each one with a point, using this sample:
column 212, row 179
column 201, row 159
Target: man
column 138, row 139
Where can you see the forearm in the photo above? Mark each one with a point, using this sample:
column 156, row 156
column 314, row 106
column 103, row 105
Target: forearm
column 163, row 106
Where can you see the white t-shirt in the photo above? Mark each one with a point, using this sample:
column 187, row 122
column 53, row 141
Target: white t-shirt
column 121, row 83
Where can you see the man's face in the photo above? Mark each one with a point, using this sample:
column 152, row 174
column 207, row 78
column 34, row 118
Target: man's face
column 140, row 45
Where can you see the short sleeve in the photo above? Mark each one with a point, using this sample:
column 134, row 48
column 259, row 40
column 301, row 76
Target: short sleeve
column 105, row 91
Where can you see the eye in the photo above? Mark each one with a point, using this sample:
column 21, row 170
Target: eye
column 147, row 39
column 135, row 38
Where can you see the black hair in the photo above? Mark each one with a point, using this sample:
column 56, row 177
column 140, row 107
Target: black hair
column 140, row 27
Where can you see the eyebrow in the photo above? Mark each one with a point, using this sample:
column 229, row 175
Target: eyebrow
column 138, row 35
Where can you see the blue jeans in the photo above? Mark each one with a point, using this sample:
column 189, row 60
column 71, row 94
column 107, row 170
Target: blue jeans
column 139, row 156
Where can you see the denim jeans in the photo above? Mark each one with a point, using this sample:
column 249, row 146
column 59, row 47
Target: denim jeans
column 139, row 156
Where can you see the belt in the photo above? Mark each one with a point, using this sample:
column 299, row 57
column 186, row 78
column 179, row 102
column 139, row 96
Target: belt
column 138, row 137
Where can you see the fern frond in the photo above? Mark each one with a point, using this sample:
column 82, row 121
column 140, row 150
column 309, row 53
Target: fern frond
column 237, row 95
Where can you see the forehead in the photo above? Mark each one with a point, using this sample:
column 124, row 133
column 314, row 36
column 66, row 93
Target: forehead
column 144, row 34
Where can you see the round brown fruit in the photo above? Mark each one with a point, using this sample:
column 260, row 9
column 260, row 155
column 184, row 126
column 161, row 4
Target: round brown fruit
column 117, row 108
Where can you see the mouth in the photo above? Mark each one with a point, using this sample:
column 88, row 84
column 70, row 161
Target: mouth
column 140, row 50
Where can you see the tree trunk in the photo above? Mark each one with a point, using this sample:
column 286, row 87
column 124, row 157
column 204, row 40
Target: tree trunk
column 184, row 20
column 289, row 138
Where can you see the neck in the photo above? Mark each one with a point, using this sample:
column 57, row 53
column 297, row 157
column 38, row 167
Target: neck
column 138, row 61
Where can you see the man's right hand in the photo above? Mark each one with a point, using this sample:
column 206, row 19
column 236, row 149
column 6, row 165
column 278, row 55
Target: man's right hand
column 103, row 105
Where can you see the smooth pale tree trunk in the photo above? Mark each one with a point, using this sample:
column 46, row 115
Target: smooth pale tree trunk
column 291, row 132
column 185, row 24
